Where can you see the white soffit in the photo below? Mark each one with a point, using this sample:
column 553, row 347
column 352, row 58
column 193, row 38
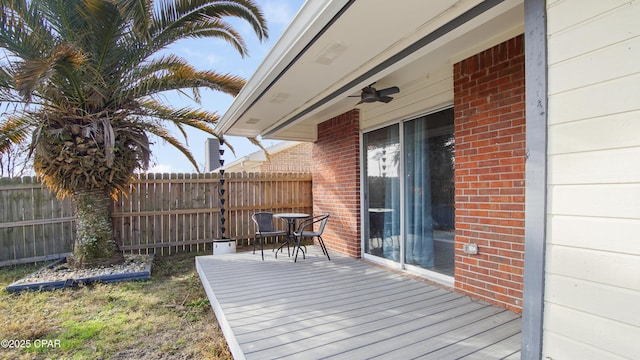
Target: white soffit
column 348, row 56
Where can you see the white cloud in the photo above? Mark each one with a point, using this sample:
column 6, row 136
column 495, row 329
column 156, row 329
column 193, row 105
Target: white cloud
column 203, row 56
column 161, row 168
column 212, row 59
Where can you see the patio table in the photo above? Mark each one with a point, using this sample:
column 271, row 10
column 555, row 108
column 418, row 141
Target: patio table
column 291, row 219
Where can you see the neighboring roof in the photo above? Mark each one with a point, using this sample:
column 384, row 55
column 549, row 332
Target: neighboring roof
column 254, row 160
column 334, row 48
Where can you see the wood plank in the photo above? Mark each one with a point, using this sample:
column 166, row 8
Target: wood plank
column 408, row 338
column 333, row 317
column 143, row 220
column 165, row 234
column 514, row 356
column 382, row 295
column 365, row 339
column 499, row 350
column 474, row 336
column 345, row 308
column 36, row 222
column 156, row 199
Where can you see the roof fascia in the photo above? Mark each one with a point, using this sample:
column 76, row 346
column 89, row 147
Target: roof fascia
column 305, row 28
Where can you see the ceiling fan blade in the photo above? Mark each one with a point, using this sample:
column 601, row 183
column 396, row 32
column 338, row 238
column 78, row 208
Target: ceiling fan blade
column 385, row 99
column 389, row 91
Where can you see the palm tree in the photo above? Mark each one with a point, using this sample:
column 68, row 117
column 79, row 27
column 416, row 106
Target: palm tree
column 83, row 80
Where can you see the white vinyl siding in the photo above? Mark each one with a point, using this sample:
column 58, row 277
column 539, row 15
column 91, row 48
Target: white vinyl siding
column 593, row 230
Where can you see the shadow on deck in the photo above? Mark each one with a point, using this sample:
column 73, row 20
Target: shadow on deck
column 347, row 309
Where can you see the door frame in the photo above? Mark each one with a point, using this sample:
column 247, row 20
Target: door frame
column 399, row 265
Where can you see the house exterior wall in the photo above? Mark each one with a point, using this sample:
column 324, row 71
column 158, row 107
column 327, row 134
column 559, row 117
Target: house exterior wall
column 490, row 130
column 592, row 286
column 489, row 105
column 296, row 159
column 336, row 181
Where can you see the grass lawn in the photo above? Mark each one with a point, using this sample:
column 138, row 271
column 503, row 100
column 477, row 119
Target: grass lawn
column 167, row 317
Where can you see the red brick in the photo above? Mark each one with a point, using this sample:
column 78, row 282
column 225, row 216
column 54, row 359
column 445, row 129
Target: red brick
column 337, row 152
column 490, row 136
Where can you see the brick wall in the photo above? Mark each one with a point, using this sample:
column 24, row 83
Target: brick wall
column 489, row 104
column 296, row 159
column 336, row 181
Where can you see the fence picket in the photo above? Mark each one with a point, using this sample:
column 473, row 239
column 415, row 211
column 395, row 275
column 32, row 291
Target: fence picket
column 162, row 214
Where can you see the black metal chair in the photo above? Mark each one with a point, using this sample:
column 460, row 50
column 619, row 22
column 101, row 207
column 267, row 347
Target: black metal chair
column 265, row 228
column 305, row 229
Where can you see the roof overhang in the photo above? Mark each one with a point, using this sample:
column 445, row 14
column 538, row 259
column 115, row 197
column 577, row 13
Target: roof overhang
column 334, row 48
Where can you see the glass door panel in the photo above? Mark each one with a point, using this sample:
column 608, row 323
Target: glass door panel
column 382, row 193
column 429, row 192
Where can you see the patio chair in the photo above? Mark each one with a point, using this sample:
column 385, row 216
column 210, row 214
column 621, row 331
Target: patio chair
column 265, row 228
column 305, row 229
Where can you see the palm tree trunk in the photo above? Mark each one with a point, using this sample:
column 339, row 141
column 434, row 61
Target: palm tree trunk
column 94, row 244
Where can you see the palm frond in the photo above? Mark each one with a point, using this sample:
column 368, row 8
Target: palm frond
column 105, row 25
column 166, row 136
column 14, row 130
column 183, row 78
column 197, row 119
column 64, row 60
column 206, row 28
column 197, row 15
column 24, row 31
column 65, row 18
column 139, row 141
column 243, row 9
column 86, row 79
column 141, row 13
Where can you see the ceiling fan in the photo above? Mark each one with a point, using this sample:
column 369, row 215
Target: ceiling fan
column 370, row 94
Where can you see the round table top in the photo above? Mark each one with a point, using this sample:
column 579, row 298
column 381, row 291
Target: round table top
column 291, row 215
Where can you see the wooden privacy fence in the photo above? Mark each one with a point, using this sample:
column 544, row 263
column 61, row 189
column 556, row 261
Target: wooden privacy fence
column 34, row 224
column 163, row 213
column 182, row 212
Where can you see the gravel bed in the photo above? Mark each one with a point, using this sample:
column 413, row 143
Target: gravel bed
column 60, row 272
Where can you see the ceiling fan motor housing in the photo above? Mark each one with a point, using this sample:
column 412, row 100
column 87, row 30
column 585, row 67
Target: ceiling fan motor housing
column 370, row 94
column 369, row 97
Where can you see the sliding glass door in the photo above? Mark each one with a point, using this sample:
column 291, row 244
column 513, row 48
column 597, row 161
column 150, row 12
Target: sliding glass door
column 409, row 192
column 382, row 200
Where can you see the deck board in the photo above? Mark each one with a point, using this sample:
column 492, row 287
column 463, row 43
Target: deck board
column 347, row 309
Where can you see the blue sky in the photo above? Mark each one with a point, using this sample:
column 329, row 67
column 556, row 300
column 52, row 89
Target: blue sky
column 217, row 55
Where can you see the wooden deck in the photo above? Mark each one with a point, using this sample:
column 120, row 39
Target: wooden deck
column 347, row 309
